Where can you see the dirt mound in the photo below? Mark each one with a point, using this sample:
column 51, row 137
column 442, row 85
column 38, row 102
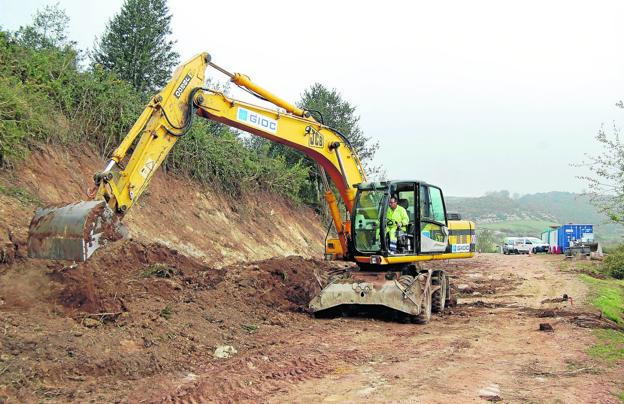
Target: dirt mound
column 151, row 309
column 288, row 283
column 105, row 282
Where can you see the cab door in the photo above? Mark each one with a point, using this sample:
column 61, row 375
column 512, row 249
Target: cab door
column 433, row 230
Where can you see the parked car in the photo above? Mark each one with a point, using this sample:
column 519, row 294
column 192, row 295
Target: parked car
column 539, row 245
column 509, row 246
column 524, row 245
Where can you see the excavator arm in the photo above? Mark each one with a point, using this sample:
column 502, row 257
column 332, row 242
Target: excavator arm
column 166, row 119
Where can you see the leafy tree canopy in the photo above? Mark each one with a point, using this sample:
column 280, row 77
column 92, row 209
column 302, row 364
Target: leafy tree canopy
column 337, row 113
column 606, row 181
column 47, row 30
column 136, row 45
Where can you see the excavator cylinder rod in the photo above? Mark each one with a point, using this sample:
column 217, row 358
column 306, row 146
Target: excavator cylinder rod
column 72, row 232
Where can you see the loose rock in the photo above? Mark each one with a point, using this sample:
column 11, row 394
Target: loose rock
column 224, row 351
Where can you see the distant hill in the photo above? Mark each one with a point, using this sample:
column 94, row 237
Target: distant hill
column 531, row 214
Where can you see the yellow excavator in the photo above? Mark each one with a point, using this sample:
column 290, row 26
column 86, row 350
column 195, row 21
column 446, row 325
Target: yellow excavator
column 387, row 255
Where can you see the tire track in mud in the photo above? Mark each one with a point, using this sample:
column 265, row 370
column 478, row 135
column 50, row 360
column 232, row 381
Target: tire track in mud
column 251, row 378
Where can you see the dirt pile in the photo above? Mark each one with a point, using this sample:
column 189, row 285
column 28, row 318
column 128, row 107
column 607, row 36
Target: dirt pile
column 107, row 282
column 136, row 311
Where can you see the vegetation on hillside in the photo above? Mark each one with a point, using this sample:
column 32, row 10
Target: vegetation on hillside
column 49, row 96
column 530, row 215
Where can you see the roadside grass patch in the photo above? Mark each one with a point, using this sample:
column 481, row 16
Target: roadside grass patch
column 610, row 345
column 608, row 296
column 591, row 268
column 20, row 194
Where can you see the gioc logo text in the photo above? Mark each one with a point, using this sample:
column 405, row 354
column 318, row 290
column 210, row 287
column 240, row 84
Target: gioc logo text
column 257, row 120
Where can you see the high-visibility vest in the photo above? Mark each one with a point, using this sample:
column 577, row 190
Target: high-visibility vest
column 396, row 216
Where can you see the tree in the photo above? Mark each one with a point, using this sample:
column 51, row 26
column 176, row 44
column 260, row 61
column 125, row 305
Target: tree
column 606, row 181
column 335, row 112
column 136, row 45
column 504, row 194
column 328, row 107
column 486, row 241
column 48, row 29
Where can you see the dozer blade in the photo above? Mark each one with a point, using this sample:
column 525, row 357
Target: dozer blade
column 372, row 289
column 72, row 232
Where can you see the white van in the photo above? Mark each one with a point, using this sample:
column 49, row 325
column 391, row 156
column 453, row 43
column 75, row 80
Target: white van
column 531, row 244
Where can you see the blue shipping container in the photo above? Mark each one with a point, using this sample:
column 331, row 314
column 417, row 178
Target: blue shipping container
column 570, row 232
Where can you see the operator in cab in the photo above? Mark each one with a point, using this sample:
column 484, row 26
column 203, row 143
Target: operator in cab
column 396, row 219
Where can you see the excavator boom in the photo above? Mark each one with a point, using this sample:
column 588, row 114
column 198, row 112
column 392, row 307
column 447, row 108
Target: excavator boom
column 75, row 231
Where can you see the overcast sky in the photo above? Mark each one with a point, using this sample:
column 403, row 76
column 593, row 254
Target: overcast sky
column 473, row 96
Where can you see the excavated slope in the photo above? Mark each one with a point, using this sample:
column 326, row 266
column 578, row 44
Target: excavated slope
column 173, row 212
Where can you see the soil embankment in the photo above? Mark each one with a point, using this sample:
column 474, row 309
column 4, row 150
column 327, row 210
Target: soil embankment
column 173, row 212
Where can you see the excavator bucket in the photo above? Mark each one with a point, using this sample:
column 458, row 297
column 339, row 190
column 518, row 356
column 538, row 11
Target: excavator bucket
column 72, row 232
column 404, row 294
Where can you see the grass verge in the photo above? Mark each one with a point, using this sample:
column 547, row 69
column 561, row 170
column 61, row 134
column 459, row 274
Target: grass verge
column 609, row 347
column 608, row 296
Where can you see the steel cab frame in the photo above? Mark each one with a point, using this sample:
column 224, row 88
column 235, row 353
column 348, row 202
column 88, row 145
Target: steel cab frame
column 425, row 235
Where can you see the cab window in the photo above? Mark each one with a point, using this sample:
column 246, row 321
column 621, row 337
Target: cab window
column 367, row 216
column 437, row 204
column 425, row 205
column 433, row 233
column 406, row 200
column 431, row 204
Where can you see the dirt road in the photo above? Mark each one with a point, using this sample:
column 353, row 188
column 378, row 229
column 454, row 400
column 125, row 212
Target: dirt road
column 160, row 316
column 488, row 347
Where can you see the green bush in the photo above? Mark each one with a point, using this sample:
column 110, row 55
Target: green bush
column 17, row 121
column 45, row 96
column 613, row 263
column 213, row 154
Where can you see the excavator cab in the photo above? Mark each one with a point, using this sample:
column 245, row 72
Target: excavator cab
column 374, row 234
column 387, row 254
